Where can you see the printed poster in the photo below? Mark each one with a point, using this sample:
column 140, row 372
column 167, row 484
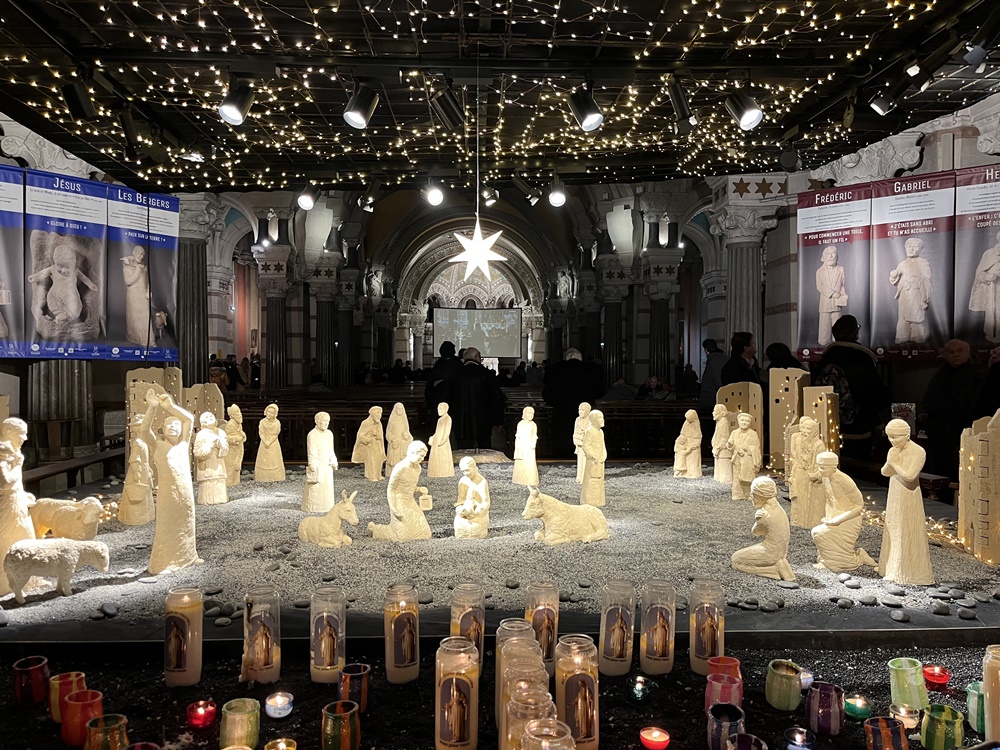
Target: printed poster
column 977, row 257
column 834, row 243
column 11, row 262
column 164, row 231
column 913, row 259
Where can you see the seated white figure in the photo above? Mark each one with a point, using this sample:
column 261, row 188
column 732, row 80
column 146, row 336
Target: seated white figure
column 562, row 522
column 406, row 522
column 769, row 558
column 328, row 530
column 472, row 509
column 837, row 534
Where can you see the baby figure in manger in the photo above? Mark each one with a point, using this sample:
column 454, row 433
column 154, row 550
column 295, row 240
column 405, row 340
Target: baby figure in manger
column 472, row 509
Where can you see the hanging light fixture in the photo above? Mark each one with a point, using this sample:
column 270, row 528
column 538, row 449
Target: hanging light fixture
column 744, row 109
column 361, row 106
column 78, row 101
column 532, row 195
column 308, row 197
column 236, row 103
column 445, row 105
column 886, row 101
column 581, row 103
column 557, row 192
column 977, row 48
column 684, row 118
column 432, row 194
column 367, row 201
column 489, row 195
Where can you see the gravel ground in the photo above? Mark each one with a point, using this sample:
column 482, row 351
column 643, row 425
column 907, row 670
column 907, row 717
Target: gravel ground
column 659, row 527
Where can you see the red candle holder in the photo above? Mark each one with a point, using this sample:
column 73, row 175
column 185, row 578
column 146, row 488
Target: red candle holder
column 31, row 680
column 654, row 738
column 936, row 677
column 201, row 714
column 79, row 708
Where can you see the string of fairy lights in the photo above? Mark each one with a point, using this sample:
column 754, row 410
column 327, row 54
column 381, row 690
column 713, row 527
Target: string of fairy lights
column 289, row 128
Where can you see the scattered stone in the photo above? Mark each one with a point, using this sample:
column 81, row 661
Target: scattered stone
column 139, row 546
column 790, row 585
column 956, row 593
column 451, row 586
column 425, row 598
column 97, row 616
column 895, row 590
column 732, row 602
column 575, row 598
column 780, row 602
column 329, row 577
column 678, row 502
column 939, row 595
column 681, row 603
column 272, row 567
column 258, row 547
column 980, row 597
column 512, row 584
column 214, row 591
column 844, row 577
column 228, row 608
column 584, row 583
column 853, row 584
column 284, row 549
column 296, row 564
column 127, row 572
column 698, row 577
column 72, row 492
column 891, row 601
column 656, row 523
column 996, row 593
column 488, row 595
column 4, row 619
column 213, row 612
column 115, row 483
column 106, row 487
column 845, row 603
column 563, row 595
column 948, row 585
column 221, row 622
column 148, row 579
column 747, row 606
column 966, row 614
column 768, row 607
column 899, row 615
column 967, row 603
column 211, row 604
column 490, row 605
column 940, row 608
column 868, row 600
column 109, row 610
column 301, row 604
column 751, row 600
column 352, row 598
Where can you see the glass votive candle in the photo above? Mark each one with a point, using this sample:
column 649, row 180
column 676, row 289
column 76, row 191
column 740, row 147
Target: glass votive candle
column 341, row 727
column 641, row 689
column 907, row 685
column 857, row 707
column 908, row 716
column 240, row 723
column 79, row 708
column 201, row 714
column 723, row 688
column 975, row 706
column 799, row 738
column 825, row 708
column 729, row 665
column 278, row 705
column 745, row 742
column 885, row 734
column 654, row 738
column 355, row 680
column 107, row 733
column 936, row 677
column 282, row 744
column 61, row 685
column 806, row 678
column 724, row 719
column 942, row 728
column 31, row 680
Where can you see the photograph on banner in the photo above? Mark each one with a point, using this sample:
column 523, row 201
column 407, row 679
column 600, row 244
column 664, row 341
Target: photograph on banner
column 66, row 229
column 977, row 257
column 913, row 259
column 11, row 262
column 164, row 231
column 834, row 231
column 129, row 309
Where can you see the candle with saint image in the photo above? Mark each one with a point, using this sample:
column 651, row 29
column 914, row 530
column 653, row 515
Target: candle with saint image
column 656, row 641
column 262, row 636
column 456, row 695
column 577, row 704
column 182, row 635
column 468, row 614
column 617, row 623
column 327, row 613
column 542, row 610
column 401, row 615
column 707, row 624
column 510, row 627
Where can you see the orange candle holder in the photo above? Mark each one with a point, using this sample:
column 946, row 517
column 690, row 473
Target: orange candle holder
column 79, row 708
column 60, row 686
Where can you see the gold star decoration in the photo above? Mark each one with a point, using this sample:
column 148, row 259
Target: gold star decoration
column 328, row 273
column 763, row 188
column 783, row 188
column 816, row 184
column 317, row 272
column 741, row 188
column 610, row 274
column 478, row 253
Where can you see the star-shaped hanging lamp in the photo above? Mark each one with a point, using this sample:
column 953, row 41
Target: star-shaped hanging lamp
column 478, row 252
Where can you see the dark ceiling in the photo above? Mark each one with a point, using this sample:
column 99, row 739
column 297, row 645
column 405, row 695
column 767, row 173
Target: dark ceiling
column 806, row 61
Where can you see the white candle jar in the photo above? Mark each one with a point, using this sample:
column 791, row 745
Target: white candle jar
column 707, row 624
column 456, row 695
column 328, row 633
column 468, row 613
column 542, row 610
column 617, row 628
column 577, row 694
column 182, row 636
column 510, row 627
column 402, row 633
column 656, row 642
column 261, row 636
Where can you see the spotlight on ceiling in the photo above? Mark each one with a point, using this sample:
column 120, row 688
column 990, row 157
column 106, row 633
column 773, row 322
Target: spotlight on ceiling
column 584, row 108
column 532, row 195
column 236, row 104
column 367, row 201
column 361, row 106
column 884, row 102
column 433, row 194
column 922, row 72
column 744, row 109
column 445, row 105
column 489, row 195
column 308, row 197
column 789, row 160
column 78, row 101
column 978, row 47
column 557, row 193
column 132, row 139
column 684, row 118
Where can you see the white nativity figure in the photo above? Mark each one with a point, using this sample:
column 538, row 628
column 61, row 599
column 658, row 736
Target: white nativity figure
column 328, row 531
column 68, row 519
column 63, row 296
column 592, row 491
column 562, row 522
column 580, row 428
column 270, row 464
column 809, row 505
column 769, row 558
column 525, row 440
column 744, row 443
column 15, row 520
column 406, row 517
column 905, row 556
column 687, row 447
column 441, row 463
column 236, row 439
column 472, row 509
column 836, row 536
column 51, row 558
column 397, row 437
column 210, row 449
column 723, row 469
column 136, row 505
column 369, row 447
column 318, row 495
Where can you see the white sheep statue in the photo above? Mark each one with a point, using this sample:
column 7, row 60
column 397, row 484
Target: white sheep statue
column 51, row 558
column 562, row 522
column 69, row 519
column 327, row 531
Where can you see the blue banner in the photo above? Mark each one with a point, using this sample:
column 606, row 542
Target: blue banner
column 11, row 262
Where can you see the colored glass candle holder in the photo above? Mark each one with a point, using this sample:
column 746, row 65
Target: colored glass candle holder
column 722, row 688
column 355, row 680
column 729, row 665
column 240, row 723
column 31, row 680
column 654, row 738
column 79, row 708
column 858, row 707
column 281, row 744
column 279, row 705
column 885, row 734
column 942, row 728
column 107, row 733
column 341, row 727
column 724, row 719
column 783, row 687
column 906, row 683
column 908, row 716
column 61, row 685
column 975, row 705
column 799, row 738
column 201, row 714
column 936, row 677
column 825, row 708
column 143, row 746
column 745, row 742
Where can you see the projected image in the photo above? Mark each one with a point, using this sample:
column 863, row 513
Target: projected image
column 495, row 333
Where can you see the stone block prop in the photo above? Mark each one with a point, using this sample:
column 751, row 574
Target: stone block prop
column 986, row 516
column 785, row 393
column 968, row 481
column 747, row 398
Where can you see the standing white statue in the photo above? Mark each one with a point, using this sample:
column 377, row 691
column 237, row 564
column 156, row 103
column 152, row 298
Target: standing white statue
column 15, row 520
column 210, row 449
column 136, row 505
column 592, row 492
column 769, row 558
column 318, row 495
column 580, row 428
column 912, row 279
column 138, row 320
column 905, row 557
column 687, row 448
column 406, row 518
column 174, row 543
column 236, row 439
column 744, row 444
column 441, row 463
column 398, row 437
column 832, row 293
column 985, row 296
column 270, row 464
column 472, row 509
column 837, row 533
column 809, row 505
column 369, row 447
column 525, row 440
column 723, row 470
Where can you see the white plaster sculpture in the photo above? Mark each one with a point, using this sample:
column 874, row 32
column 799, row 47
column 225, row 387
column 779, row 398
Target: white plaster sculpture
column 67, row 519
column 136, row 505
column 723, row 470
column 51, row 558
column 525, row 439
column 745, row 447
column 580, row 428
column 63, row 295
column 210, row 449
column 318, row 495
column 472, row 509
column 592, row 491
column 406, row 521
column 15, row 521
column 174, row 542
column 397, row 437
column 236, row 439
column 562, row 522
column 369, row 448
column 912, row 279
column 687, row 447
column 985, row 296
column 809, row 505
column 270, row 464
column 441, row 462
column 138, row 323
column 905, row 556
column 836, row 536
column 791, row 448
column 832, row 293
column 328, row 531
column 769, row 558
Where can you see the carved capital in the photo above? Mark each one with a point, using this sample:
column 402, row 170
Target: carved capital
column 740, row 224
column 988, row 141
column 660, row 268
column 713, row 284
column 273, row 286
column 200, row 215
column 347, row 288
column 879, row 161
column 39, row 153
column 654, row 206
column 220, row 280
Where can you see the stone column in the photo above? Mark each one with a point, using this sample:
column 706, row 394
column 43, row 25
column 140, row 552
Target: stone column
column 62, row 389
column 713, row 288
column 348, row 343
column 200, row 212
column 613, row 286
column 220, row 314
column 272, row 262
column 325, row 287
column 660, row 265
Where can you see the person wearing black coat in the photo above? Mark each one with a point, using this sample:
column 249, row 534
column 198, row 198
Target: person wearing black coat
column 446, row 366
column 742, row 365
column 568, row 384
column 476, row 402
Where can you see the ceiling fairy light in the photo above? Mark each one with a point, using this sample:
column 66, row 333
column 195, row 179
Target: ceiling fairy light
column 433, row 194
column 685, row 120
column 445, row 105
column 367, row 201
column 361, row 106
column 532, row 195
column 581, row 103
column 744, row 109
column 236, row 103
column 884, row 102
column 308, row 197
column 979, row 46
column 557, row 193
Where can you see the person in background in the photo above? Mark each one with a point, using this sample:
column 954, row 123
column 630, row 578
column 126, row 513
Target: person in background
column 988, row 400
column 568, row 384
column 396, row 373
column 255, row 370
column 233, row 372
column 520, row 374
column 741, row 367
column 689, row 384
column 245, row 372
column 620, row 391
column 475, row 402
column 947, row 407
column 711, row 378
column 779, row 356
column 653, row 390
column 535, row 375
column 446, row 366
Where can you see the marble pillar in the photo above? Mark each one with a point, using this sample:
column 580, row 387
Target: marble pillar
column 713, row 289
column 660, row 327
column 611, row 339
column 744, row 280
column 275, row 355
column 192, row 310
column 219, row 312
column 326, row 336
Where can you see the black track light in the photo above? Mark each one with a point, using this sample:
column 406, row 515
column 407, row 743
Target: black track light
column 979, row 46
column 132, row 140
column 308, row 197
column 236, row 104
column 584, row 108
column 489, row 195
column 449, row 112
column 744, row 109
column 367, row 201
column 78, row 101
column 886, row 101
column 532, row 195
column 922, row 72
column 557, row 192
column 684, row 118
column 361, row 106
